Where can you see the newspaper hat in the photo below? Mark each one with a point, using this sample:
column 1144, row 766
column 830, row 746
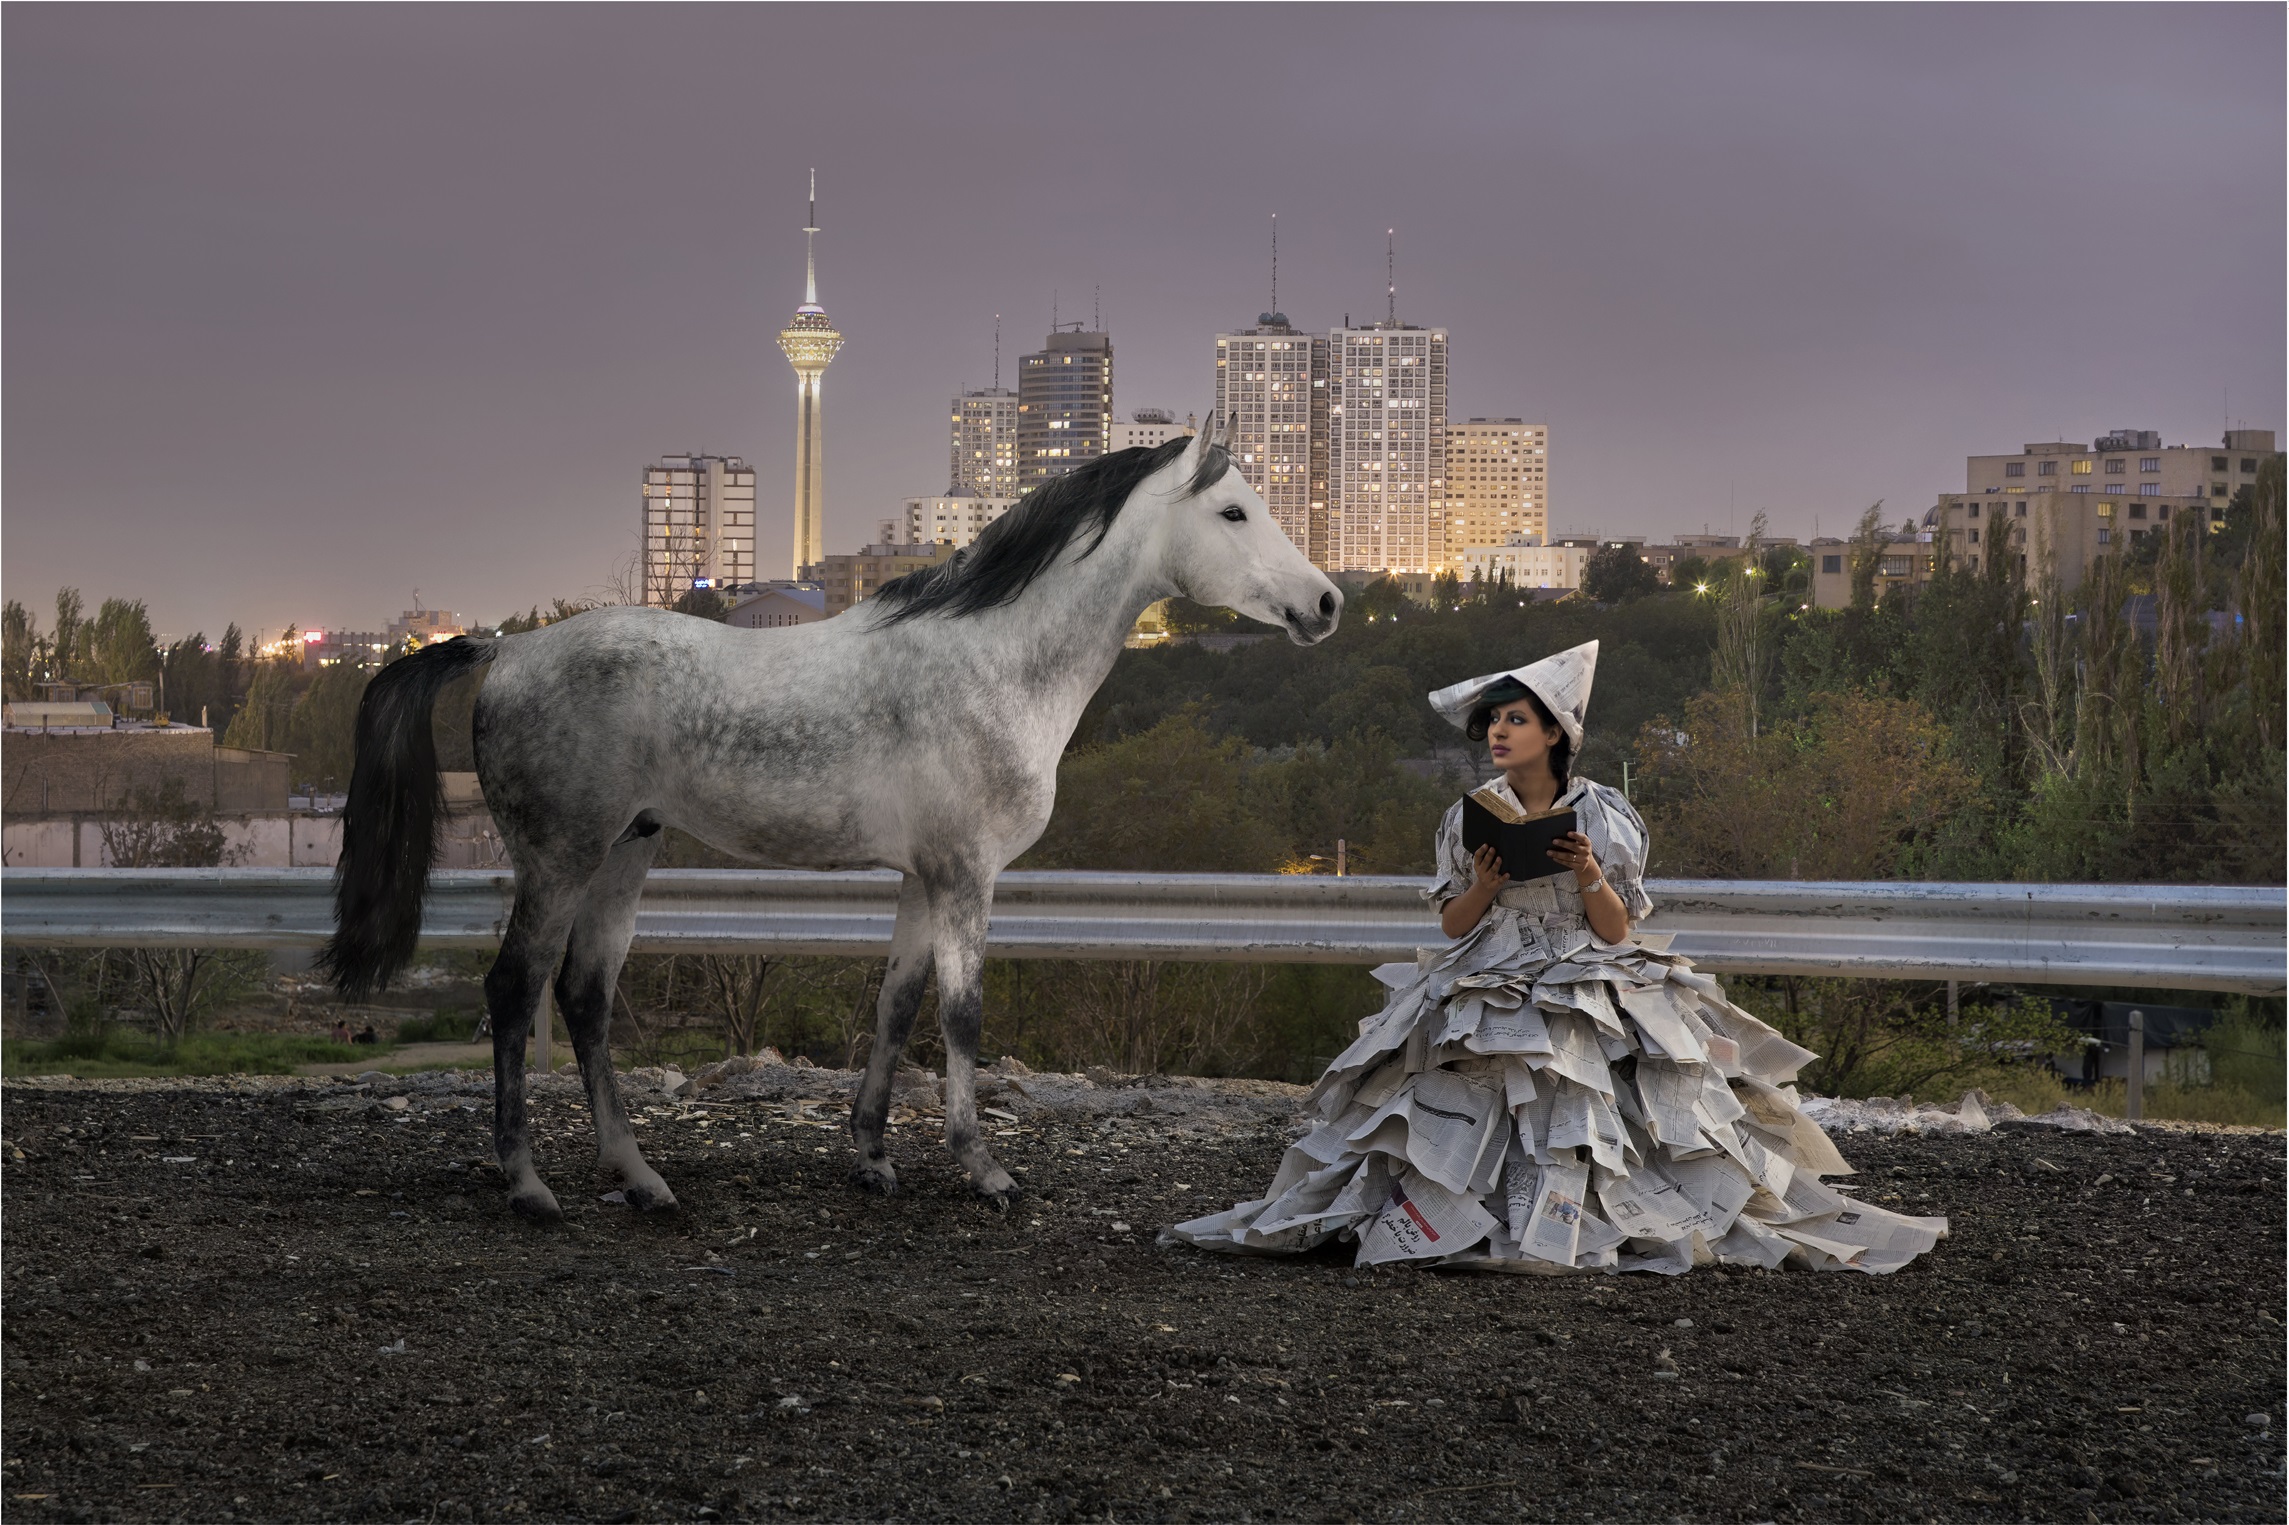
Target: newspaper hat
column 1561, row 681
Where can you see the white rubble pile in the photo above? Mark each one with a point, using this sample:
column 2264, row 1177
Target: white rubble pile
column 1974, row 1112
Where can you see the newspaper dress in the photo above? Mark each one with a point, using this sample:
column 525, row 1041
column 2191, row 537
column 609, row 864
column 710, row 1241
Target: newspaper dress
column 1532, row 1098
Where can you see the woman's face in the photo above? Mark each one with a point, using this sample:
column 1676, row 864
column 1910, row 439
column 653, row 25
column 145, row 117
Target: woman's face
column 1517, row 738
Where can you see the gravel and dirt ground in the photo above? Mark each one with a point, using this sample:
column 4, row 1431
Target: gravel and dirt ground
column 303, row 1300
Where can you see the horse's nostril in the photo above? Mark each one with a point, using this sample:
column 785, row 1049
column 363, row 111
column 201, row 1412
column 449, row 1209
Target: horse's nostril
column 1327, row 603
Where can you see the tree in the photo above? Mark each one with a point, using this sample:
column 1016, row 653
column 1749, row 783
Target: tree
column 1743, row 655
column 1846, row 792
column 119, row 644
column 705, row 603
column 66, row 644
column 23, row 651
column 321, row 730
column 265, row 718
column 1166, row 801
column 164, row 828
column 1617, row 573
column 1864, row 555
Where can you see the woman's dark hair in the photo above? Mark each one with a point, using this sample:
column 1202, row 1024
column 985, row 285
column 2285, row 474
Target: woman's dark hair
column 1509, row 691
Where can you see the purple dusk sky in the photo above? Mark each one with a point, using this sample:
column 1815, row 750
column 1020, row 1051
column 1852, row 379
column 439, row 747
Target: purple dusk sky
column 309, row 307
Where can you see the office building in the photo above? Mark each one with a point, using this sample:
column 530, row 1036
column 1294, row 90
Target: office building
column 2059, row 506
column 845, row 580
column 1523, row 562
column 955, row 519
column 984, row 445
column 698, row 525
column 810, row 343
column 1386, row 463
column 1146, row 429
column 424, row 627
column 1498, row 482
column 1272, row 381
column 1064, row 404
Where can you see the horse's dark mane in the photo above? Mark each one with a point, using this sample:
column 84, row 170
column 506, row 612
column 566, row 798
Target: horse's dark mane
column 1026, row 541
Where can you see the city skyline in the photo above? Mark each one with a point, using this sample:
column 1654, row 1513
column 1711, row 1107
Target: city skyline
column 1737, row 259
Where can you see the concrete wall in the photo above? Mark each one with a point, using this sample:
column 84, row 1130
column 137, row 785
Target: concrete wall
column 64, row 772
column 276, row 839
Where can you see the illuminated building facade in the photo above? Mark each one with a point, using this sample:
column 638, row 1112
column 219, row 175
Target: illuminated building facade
column 1272, row 381
column 1386, row 455
column 1498, row 483
column 699, row 525
column 1064, row 404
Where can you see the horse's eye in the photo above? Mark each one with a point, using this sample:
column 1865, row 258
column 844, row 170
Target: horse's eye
column 1235, row 514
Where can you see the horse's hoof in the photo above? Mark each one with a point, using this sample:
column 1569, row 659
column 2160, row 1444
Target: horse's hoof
column 537, row 1203
column 998, row 1189
column 652, row 1197
column 876, row 1176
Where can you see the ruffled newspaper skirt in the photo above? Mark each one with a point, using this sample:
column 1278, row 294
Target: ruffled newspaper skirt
column 1532, row 1099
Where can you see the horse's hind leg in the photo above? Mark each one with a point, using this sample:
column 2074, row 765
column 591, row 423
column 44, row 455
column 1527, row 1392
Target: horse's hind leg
column 584, row 992
column 902, row 982
column 546, row 905
column 960, row 907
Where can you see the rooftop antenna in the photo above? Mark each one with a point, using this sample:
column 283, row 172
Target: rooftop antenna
column 1391, row 276
column 810, row 257
column 997, row 351
column 1275, row 262
column 1053, row 324
column 1096, row 310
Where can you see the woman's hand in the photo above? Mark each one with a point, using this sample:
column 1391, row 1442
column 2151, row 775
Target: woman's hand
column 1573, row 851
column 1601, row 907
column 1487, row 879
column 1488, row 870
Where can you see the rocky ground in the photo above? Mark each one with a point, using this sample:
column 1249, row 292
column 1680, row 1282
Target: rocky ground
column 302, row 1300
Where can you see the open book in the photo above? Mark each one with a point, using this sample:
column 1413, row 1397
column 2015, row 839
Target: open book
column 1521, row 841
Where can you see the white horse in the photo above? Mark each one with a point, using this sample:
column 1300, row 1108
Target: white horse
column 918, row 731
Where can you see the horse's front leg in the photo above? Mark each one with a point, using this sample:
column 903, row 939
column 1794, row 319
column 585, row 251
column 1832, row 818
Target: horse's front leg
column 902, row 982
column 960, row 910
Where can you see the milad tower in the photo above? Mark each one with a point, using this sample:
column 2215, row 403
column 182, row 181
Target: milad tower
column 811, row 344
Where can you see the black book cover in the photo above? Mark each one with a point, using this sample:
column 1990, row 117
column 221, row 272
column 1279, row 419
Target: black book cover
column 1523, row 845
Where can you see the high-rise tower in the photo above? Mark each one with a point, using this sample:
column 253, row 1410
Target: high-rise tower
column 1387, row 442
column 810, row 343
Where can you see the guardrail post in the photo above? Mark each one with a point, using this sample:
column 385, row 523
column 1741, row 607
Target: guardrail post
column 2137, row 1105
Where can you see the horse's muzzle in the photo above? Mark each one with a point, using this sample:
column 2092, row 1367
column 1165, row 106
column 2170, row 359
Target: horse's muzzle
column 1308, row 627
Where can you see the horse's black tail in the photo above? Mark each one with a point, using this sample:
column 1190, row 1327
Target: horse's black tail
column 389, row 824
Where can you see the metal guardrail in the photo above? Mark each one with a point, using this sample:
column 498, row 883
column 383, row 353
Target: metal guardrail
column 2176, row 937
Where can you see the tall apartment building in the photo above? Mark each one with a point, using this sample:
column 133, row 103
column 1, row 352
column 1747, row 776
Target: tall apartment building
column 1145, row 429
column 955, row 519
column 2067, row 504
column 1273, row 382
column 1064, row 404
column 1498, row 482
column 698, row 525
column 984, row 454
column 1386, row 437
